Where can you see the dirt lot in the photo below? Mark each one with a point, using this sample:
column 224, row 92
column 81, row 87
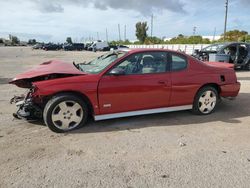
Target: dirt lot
column 131, row 152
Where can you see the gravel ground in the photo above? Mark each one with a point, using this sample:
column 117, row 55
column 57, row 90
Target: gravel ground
column 164, row 150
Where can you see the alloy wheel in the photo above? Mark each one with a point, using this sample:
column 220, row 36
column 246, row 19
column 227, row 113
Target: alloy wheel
column 67, row 115
column 207, row 102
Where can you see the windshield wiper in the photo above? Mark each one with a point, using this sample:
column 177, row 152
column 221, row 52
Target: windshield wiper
column 76, row 65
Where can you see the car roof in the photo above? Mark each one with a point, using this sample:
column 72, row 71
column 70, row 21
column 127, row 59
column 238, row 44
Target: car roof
column 229, row 43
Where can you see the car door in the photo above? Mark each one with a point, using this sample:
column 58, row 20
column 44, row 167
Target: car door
column 145, row 84
column 184, row 81
column 242, row 52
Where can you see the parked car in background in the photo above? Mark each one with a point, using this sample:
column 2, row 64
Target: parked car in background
column 122, row 83
column 73, row 46
column 118, row 47
column 236, row 53
column 38, row 46
column 87, row 45
column 51, row 46
column 99, row 46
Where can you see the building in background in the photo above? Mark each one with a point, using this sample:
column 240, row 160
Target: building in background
column 212, row 38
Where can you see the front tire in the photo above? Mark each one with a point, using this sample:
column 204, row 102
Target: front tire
column 206, row 101
column 65, row 112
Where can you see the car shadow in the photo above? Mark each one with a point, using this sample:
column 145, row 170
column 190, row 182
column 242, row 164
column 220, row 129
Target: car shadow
column 241, row 70
column 227, row 112
column 243, row 78
column 4, row 80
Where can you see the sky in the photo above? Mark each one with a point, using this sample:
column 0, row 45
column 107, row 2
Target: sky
column 54, row 20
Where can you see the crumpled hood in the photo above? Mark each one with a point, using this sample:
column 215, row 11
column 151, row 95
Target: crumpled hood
column 46, row 71
column 48, row 68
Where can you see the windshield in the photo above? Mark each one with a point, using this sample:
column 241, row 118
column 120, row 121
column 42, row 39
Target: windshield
column 99, row 64
column 214, row 47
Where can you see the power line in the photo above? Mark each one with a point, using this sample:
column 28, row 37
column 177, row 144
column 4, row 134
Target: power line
column 194, row 30
column 225, row 26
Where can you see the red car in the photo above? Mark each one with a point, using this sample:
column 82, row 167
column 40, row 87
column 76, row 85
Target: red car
column 120, row 84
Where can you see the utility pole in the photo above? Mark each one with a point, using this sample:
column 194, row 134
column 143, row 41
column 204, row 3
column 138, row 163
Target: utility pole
column 107, row 38
column 214, row 34
column 125, row 32
column 194, row 30
column 119, row 31
column 152, row 24
column 97, row 34
column 225, row 26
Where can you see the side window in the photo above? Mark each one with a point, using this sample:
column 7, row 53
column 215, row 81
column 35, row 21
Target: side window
column 145, row 63
column 178, row 62
column 231, row 50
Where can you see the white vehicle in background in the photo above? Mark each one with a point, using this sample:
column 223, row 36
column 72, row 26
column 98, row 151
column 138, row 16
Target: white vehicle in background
column 99, row 46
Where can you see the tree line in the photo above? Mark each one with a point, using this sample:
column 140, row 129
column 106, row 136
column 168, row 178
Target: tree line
column 143, row 38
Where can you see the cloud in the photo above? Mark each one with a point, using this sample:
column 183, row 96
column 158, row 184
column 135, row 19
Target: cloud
column 57, row 19
column 245, row 2
column 49, row 6
column 144, row 7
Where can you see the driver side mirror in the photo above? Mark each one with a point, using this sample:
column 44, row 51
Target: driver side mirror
column 117, row 72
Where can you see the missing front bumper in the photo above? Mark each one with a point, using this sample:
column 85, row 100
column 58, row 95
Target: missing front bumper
column 26, row 109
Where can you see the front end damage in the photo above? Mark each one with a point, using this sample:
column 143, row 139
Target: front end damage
column 26, row 107
column 30, row 105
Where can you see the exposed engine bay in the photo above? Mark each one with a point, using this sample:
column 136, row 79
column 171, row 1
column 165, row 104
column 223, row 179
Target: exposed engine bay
column 26, row 108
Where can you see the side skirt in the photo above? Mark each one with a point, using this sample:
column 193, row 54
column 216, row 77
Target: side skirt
column 143, row 112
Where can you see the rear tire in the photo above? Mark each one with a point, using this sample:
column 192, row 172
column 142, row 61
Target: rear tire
column 205, row 101
column 65, row 112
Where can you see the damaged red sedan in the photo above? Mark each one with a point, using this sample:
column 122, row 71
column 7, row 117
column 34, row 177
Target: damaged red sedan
column 120, row 84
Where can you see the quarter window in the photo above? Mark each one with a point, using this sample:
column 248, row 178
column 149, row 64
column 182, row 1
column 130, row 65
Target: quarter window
column 178, row 62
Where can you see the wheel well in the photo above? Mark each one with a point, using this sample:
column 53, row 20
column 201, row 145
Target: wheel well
column 80, row 95
column 215, row 86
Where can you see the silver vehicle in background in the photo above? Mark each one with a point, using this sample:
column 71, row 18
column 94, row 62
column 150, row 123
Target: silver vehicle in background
column 237, row 53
